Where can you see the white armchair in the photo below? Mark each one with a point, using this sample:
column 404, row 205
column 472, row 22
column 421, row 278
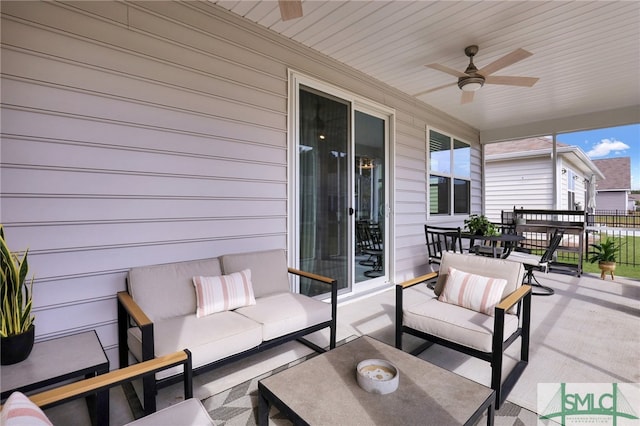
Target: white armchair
column 482, row 329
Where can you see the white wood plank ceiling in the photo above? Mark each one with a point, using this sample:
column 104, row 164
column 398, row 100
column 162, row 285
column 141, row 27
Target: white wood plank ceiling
column 586, row 53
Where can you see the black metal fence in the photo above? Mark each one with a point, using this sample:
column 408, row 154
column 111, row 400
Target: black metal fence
column 596, row 226
column 614, row 218
column 621, row 225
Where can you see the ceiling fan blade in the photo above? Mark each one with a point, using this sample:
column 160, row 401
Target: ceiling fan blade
column 467, row 97
column 424, row 92
column 446, row 69
column 290, row 9
column 505, row 61
column 511, row 81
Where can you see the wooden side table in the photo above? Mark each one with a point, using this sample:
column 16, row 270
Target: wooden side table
column 58, row 360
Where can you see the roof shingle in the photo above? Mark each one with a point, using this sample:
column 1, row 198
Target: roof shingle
column 617, row 173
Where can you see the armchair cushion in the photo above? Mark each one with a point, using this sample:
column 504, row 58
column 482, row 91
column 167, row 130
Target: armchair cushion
column 471, row 291
column 463, row 326
column 511, row 271
column 223, row 293
column 190, row 411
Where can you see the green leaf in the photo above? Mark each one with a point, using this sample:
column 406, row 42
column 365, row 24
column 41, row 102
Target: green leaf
column 15, row 293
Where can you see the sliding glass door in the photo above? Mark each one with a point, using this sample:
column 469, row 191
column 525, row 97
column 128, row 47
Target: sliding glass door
column 370, row 198
column 341, row 191
column 323, row 188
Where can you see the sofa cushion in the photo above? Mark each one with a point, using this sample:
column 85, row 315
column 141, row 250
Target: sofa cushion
column 19, row 410
column 223, row 292
column 284, row 313
column 456, row 324
column 513, row 272
column 472, row 291
column 269, row 272
column 209, row 339
column 166, row 291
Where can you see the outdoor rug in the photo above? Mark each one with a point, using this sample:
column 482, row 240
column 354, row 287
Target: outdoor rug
column 238, row 405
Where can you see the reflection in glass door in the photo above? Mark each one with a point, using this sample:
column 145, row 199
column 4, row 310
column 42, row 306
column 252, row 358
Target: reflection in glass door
column 323, row 194
column 370, row 200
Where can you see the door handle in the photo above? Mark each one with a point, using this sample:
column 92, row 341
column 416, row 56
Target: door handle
column 351, row 211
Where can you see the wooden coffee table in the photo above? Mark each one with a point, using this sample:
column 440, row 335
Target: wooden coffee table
column 324, row 391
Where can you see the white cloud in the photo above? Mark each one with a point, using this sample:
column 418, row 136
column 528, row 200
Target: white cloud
column 607, row 146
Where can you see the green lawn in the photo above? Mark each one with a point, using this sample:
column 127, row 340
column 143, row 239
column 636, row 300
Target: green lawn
column 621, row 270
column 624, row 266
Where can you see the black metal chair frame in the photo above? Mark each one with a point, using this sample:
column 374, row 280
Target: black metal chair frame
column 375, row 250
column 440, row 239
column 369, row 237
column 123, row 376
column 364, row 244
column 545, row 259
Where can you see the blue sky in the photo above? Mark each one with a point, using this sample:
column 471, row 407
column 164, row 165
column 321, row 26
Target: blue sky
column 623, row 141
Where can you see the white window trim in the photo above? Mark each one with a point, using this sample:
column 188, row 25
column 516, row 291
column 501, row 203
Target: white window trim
column 451, row 176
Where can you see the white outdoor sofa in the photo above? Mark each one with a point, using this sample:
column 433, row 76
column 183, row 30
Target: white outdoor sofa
column 157, row 314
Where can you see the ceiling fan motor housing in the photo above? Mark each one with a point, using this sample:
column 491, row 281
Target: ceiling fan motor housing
column 471, row 83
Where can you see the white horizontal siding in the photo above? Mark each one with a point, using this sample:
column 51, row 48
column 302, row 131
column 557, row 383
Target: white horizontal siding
column 521, row 183
column 614, row 200
column 154, row 132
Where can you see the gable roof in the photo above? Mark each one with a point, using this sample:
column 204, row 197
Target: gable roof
column 529, row 144
column 541, row 146
column 617, row 172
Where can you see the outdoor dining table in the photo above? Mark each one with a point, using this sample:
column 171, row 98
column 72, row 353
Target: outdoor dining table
column 508, row 242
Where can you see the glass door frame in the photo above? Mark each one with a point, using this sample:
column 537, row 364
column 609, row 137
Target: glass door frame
column 296, row 79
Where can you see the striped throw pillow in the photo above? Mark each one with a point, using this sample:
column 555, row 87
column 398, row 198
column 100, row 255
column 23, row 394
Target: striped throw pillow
column 471, row 291
column 21, row 411
column 223, row 293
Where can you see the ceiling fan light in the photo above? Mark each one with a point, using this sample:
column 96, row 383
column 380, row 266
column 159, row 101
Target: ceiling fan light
column 470, row 84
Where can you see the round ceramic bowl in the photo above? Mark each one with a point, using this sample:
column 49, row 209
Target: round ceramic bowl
column 377, row 376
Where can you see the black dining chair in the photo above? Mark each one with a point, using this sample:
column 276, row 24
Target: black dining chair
column 440, row 240
column 363, row 243
column 369, row 238
column 533, row 262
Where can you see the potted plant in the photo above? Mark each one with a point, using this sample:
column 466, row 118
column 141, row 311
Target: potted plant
column 480, row 225
column 605, row 254
column 17, row 331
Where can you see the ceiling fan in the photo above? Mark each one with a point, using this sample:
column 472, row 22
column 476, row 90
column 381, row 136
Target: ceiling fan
column 290, row 9
column 473, row 78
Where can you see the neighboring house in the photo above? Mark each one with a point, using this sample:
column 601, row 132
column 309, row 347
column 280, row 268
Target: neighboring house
column 520, row 173
column 634, row 202
column 613, row 191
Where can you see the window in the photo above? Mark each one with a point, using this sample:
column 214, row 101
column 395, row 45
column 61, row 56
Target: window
column 449, row 175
